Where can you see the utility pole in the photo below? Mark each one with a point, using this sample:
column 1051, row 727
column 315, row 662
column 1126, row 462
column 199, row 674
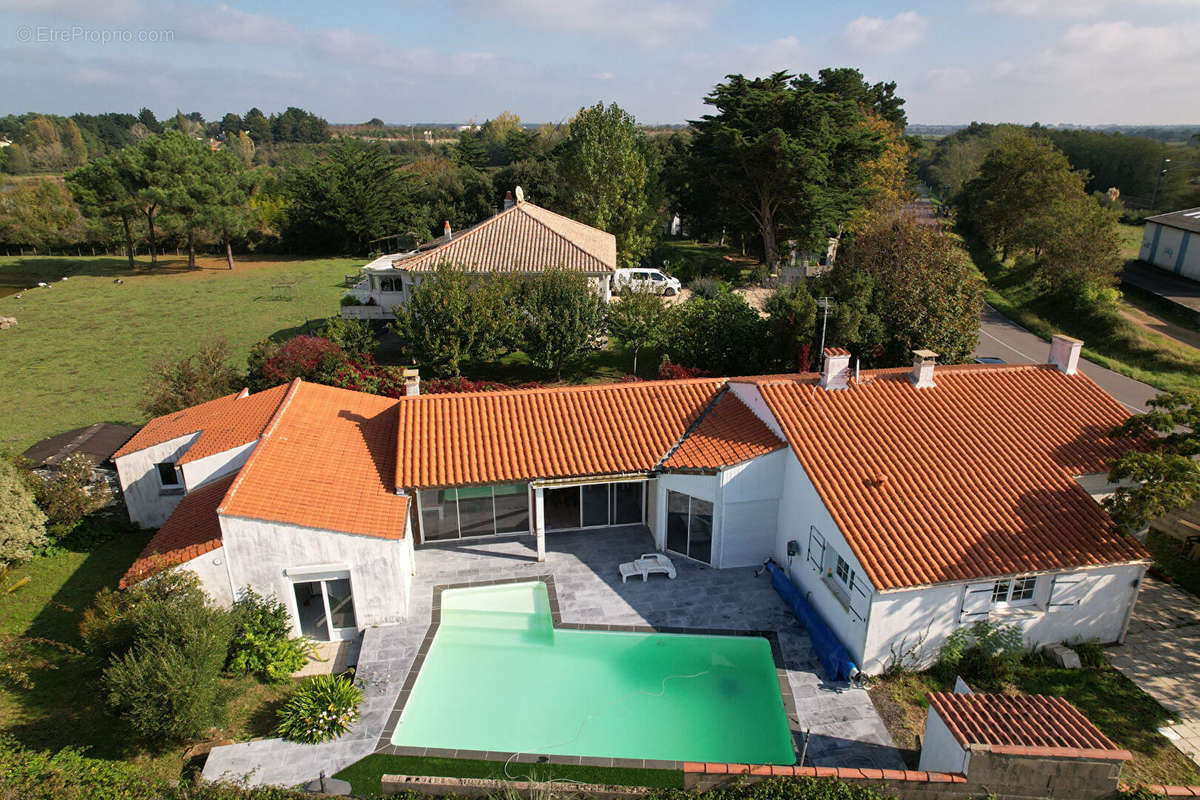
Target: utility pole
column 1162, row 170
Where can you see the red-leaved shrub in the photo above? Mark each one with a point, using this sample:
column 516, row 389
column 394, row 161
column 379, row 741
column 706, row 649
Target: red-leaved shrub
column 299, row 357
column 673, row 372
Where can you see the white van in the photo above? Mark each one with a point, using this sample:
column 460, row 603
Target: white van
column 645, row 280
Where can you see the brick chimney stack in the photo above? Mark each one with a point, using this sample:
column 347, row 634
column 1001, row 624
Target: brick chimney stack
column 446, row 231
column 508, row 200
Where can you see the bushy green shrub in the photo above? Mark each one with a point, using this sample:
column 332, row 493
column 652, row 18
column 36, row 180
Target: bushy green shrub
column 262, row 641
column 67, row 494
column 1091, row 654
column 165, row 645
column 983, row 652
column 708, row 288
column 22, row 523
column 724, row 335
column 323, row 707
column 354, row 336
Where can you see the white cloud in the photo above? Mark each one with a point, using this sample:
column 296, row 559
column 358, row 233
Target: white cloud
column 224, row 24
column 885, row 36
column 604, row 76
column 109, row 10
column 948, row 79
column 1072, row 8
column 787, row 53
column 649, row 23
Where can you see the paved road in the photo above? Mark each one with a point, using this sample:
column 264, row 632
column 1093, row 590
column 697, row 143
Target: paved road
column 1001, row 338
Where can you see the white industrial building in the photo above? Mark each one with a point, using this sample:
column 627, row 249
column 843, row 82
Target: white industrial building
column 1167, row 242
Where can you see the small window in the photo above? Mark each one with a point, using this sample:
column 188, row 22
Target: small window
column 167, row 476
column 391, row 284
column 1015, row 591
column 844, row 573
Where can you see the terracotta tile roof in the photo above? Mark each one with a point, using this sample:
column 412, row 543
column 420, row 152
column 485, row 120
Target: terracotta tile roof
column 968, row 479
column 326, row 461
column 192, row 530
column 1026, row 722
column 729, row 433
column 497, row 437
column 227, row 422
column 524, row 238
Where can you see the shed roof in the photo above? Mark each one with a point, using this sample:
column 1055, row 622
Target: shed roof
column 1185, row 220
column 1022, row 724
column 98, row 441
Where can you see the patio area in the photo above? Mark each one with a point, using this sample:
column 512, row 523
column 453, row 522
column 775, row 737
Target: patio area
column 845, row 729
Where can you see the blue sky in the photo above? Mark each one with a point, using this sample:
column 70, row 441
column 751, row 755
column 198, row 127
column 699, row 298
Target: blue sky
column 1073, row 61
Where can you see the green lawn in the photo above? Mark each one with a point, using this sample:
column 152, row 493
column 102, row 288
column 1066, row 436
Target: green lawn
column 1125, row 713
column 365, row 775
column 65, row 706
column 82, row 347
column 1109, row 339
column 1130, row 237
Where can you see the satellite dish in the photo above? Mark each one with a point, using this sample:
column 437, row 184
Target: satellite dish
column 520, row 195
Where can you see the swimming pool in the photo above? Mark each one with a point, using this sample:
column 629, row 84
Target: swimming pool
column 500, row 677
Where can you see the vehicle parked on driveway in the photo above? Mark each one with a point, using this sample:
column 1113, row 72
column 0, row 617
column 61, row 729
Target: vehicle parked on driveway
column 645, row 280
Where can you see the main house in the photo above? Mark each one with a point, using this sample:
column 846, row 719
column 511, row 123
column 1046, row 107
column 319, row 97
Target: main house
column 521, row 238
column 903, row 503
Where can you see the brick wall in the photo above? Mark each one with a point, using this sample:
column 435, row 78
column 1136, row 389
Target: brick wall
column 1006, row 776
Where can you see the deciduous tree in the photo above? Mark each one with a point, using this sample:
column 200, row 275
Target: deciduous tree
column 606, row 180
column 636, row 320
column 563, row 316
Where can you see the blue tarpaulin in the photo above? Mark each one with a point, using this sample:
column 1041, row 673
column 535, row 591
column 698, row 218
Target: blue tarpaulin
column 832, row 653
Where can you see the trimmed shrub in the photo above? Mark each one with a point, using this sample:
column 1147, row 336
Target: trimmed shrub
column 708, row 288
column 22, row 523
column 325, row 706
column 262, row 641
column 723, row 335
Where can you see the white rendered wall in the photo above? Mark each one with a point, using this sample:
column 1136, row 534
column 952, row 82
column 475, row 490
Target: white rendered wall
column 750, row 494
column 749, row 394
column 213, row 572
column 799, row 508
column 380, row 569
column 926, row 616
column 651, row 510
column 940, row 751
column 148, row 504
column 202, row 470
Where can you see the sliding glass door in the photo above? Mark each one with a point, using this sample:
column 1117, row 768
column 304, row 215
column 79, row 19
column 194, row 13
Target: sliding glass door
column 474, row 511
column 325, row 609
column 593, row 505
column 689, row 526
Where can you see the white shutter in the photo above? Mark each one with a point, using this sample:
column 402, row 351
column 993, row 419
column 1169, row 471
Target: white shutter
column 816, row 548
column 1068, row 590
column 977, row 602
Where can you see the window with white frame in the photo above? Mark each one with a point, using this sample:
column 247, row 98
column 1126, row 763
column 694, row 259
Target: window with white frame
column 1014, row 591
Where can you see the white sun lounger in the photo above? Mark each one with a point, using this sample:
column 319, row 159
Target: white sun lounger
column 646, row 565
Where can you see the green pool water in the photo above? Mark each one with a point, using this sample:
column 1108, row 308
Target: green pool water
column 500, row 677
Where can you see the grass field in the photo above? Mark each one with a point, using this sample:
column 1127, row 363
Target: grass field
column 82, row 348
column 65, row 706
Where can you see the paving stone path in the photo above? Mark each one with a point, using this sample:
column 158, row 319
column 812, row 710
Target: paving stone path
column 1161, row 654
column 845, row 730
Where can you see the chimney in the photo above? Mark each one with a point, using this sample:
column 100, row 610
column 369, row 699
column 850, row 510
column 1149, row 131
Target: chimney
column 922, row 371
column 412, row 381
column 836, row 372
column 1064, row 353
column 508, row 201
column 446, row 231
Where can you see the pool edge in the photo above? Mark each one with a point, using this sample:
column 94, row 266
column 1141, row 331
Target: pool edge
column 384, row 742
